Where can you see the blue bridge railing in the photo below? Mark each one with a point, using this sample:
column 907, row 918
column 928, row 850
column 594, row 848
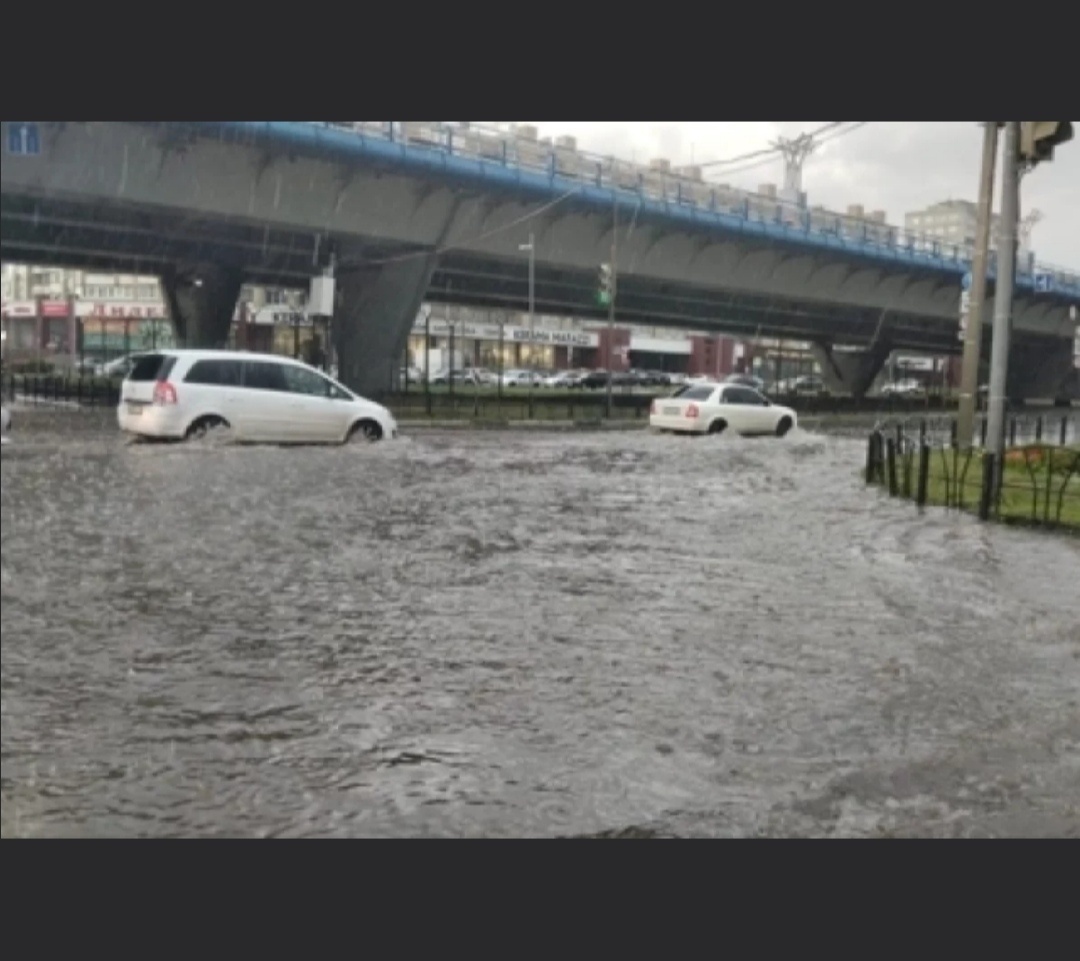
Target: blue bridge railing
column 506, row 156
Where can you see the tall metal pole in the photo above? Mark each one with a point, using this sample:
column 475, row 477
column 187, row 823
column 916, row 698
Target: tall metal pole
column 502, row 345
column 611, row 302
column 969, row 376
column 427, row 362
column 532, row 318
column 1003, row 295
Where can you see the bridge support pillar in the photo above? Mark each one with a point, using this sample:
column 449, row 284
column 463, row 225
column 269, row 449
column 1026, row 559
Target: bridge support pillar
column 377, row 307
column 1041, row 368
column 201, row 299
column 851, row 372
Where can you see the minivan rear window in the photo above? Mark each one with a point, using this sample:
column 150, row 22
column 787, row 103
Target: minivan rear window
column 220, row 373
column 152, row 367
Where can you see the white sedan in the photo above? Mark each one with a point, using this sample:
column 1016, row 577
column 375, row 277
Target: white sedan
column 715, row 408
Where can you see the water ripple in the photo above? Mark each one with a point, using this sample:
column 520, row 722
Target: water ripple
column 500, row 635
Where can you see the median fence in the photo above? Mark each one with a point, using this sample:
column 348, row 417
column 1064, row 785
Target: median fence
column 1039, row 484
column 518, row 404
column 49, row 389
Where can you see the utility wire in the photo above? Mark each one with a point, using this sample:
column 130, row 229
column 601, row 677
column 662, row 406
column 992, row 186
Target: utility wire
column 767, row 151
column 776, row 155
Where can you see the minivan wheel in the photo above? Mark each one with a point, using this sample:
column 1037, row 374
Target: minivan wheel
column 365, row 432
column 783, row 427
column 205, row 426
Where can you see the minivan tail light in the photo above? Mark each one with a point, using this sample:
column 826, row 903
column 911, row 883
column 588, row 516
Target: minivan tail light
column 164, row 394
column 692, row 411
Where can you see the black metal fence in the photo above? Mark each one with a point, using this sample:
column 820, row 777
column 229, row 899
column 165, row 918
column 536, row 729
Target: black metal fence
column 47, row 388
column 1037, row 481
column 519, row 405
column 411, row 393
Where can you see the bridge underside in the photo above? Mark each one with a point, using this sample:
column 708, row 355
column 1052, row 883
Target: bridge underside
column 203, row 261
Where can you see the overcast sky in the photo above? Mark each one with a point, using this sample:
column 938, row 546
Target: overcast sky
column 894, row 166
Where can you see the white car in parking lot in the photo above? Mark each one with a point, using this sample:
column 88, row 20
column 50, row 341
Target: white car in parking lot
column 716, row 408
column 521, row 378
column 259, row 398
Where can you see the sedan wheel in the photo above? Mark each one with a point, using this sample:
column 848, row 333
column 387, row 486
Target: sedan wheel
column 783, row 427
column 366, row 432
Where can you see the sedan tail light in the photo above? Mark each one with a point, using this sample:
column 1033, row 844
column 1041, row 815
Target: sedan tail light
column 164, row 394
column 653, row 408
column 692, row 411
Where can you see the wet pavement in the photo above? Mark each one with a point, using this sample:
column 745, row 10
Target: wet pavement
column 500, row 634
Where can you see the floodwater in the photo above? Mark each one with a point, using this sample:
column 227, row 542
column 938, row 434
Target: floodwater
column 495, row 634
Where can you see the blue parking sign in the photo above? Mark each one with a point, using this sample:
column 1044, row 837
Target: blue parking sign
column 24, row 139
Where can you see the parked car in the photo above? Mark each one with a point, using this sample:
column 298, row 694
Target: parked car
column 408, row 375
column 5, row 424
column 119, row 368
column 911, row 389
column 595, row 379
column 182, row 394
column 564, row 378
column 746, row 380
column 465, row 377
column 716, row 408
column 521, row 378
column 809, row 385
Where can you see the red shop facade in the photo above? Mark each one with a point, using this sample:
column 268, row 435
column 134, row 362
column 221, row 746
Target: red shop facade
column 40, row 328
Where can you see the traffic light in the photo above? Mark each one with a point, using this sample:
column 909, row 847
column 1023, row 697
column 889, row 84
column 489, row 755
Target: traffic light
column 1038, row 138
column 607, row 284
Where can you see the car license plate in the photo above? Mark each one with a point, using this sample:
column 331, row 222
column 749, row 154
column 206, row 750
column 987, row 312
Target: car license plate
column 672, row 411
column 135, row 410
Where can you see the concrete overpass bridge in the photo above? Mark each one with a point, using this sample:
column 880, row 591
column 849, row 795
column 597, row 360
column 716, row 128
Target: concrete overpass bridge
column 409, row 216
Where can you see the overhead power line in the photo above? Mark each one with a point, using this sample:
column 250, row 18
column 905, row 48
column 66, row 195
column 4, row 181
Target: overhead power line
column 767, row 151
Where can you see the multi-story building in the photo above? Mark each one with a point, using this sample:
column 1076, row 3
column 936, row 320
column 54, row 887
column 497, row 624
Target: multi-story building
column 950, row 222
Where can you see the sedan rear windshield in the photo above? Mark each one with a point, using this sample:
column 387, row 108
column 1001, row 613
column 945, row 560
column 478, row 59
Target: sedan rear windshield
column 152, row 367
column 697, row 393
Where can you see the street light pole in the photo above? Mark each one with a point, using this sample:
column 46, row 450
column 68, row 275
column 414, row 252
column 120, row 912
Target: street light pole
column 531, row 248
column 611, row 301
column 969, row 374
column 1003, row 295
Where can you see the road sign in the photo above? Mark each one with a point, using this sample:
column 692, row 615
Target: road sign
column 24, row 139
column 1043, row 282
column 967, row 281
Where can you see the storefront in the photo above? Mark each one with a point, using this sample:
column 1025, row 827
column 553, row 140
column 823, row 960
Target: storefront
column 20, row 326
column 107, row 331
column 279, row 329
column 41, row 330
column 495, row 346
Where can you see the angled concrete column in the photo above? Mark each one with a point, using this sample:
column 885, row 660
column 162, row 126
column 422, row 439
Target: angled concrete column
column 376, row 309
column 1041, row 368
column 851, row 372
column 202, row 301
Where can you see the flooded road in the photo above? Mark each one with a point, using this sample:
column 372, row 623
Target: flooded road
column 497, row 634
